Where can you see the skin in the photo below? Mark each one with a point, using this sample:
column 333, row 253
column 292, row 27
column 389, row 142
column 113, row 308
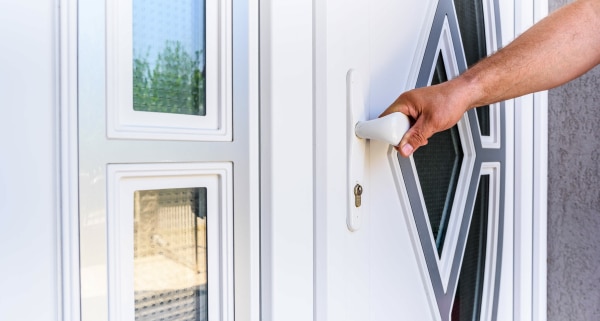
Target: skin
column 559, row 48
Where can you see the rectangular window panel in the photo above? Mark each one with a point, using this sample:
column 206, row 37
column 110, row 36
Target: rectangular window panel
column 169, row 238
column 170, row 261
column 169, row 70
column 169, row 56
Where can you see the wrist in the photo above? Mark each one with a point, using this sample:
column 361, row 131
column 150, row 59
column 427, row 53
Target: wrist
column 467, row 91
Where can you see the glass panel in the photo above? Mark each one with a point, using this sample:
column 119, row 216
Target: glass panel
column 467, row 301
column 170, row 268
column 439, row 75
column 483, row 115
column 438, row 167
column 472, row 30
column 168, row 56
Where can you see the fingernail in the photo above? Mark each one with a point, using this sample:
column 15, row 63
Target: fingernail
column 407, row 149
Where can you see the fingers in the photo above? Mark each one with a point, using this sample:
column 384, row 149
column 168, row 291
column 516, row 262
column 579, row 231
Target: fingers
column 433, row 109
column 414, row 138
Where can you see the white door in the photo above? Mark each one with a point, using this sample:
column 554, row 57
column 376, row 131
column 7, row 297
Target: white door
column 168, row 160
column 428, row 238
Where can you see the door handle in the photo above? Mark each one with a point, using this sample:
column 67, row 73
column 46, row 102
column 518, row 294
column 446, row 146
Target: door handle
column 389, row 128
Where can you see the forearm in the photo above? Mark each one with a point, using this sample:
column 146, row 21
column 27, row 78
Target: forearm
column 556, row 50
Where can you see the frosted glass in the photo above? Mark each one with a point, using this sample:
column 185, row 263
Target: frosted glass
column 168, row 56
column 170, row 262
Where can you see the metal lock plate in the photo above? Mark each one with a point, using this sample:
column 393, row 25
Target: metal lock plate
column 358, row 190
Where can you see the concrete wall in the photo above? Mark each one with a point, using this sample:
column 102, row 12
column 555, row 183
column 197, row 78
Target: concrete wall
column 574, row 198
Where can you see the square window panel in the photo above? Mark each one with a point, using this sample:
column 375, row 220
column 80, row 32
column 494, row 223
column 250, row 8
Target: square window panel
column 170, row 250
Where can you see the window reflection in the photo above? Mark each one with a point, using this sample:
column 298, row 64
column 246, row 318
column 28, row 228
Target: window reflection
column 169, row 56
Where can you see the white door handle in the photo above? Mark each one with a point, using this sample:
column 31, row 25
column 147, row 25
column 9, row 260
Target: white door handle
column 389, row 128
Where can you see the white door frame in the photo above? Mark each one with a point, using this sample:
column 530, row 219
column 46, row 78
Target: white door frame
column 531, row 166
column 287, row 159
column 69, row 175
column 297, row 145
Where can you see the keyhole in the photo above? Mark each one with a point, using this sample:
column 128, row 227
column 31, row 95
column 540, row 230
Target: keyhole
column 358, row 190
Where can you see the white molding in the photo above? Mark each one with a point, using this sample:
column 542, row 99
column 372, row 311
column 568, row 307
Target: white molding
column 286, row 95
column 540, row 192
column 530, row 188
column 123, row 180
column 254, row 209
column 492, row 244
column 507, row 285
column 70, row 296
column 124, row 122
column 540, row 204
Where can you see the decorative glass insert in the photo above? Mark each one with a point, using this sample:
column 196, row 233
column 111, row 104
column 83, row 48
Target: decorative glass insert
column 170, row 262
column 483, row 116
column 438, row 167
column 169, row 56
column 439, row 75
column 471, row 22
column 467, row 301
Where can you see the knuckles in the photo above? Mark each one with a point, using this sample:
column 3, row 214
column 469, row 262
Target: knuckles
column 418, row 138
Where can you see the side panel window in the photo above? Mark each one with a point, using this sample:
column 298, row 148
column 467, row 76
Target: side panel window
column 170, row 235
column 169, row 70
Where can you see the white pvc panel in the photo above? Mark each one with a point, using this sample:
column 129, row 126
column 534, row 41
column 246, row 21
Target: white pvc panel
column 287, row 187
column 398, row 34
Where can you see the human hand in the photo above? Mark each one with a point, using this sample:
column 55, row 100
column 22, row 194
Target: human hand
column 431, row 110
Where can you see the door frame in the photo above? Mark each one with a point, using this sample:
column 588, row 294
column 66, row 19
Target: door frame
column 530, row 195
column 287, row 159
column 69, row 168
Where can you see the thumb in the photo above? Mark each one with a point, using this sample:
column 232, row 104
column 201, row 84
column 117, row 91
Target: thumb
column 414, row 138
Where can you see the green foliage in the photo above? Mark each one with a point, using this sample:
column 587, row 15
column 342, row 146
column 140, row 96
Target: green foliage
column 174, row 83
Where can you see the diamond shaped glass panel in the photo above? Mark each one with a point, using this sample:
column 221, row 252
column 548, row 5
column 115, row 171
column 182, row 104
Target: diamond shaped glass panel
column 472, row 30
column 467, row 301
column 438, row 167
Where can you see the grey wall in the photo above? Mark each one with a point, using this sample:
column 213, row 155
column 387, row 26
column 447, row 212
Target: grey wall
column 574, row 198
